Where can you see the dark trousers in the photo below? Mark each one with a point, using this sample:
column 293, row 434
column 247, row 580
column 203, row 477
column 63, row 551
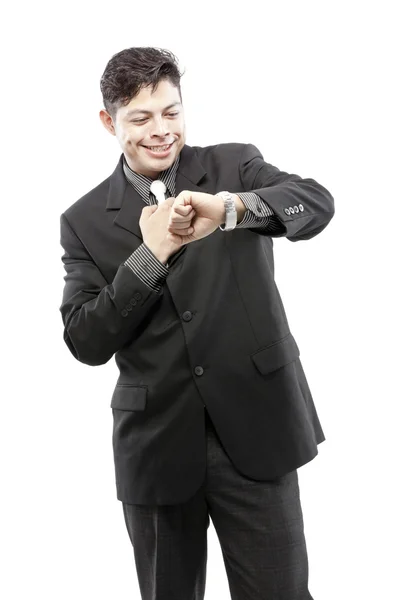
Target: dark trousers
column 259, row 526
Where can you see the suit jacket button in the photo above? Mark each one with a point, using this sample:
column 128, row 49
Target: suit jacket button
column 124, row 313
column 133, row 302
column 187, row 315
column 291, row 209
column 301, row 207
column 137, row 295
column 128, row 307
column 199, row 370
column 296, row 209
column 287, row 211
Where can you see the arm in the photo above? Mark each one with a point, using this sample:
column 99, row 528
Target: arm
column 253, row 212
column 303, row 206
column 98, row 318
column 148, row 267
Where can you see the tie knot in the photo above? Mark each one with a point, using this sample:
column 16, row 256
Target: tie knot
column 159, row 189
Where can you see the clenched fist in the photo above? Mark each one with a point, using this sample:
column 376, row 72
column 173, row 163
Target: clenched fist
column 154, row 223
column 209, row 213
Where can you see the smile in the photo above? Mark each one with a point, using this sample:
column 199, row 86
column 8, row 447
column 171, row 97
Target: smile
column 159, row 150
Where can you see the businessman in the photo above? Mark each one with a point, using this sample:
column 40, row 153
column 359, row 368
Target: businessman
column 169, row 268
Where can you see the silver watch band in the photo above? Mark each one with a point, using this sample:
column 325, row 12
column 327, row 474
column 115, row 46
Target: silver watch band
column 230, row 211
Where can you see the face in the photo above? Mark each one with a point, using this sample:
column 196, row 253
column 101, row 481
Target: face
column 150, row 119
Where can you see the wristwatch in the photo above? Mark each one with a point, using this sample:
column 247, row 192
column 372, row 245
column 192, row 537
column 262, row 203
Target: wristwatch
column 230, row 211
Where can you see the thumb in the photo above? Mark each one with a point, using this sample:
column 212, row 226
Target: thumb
column 149, row 210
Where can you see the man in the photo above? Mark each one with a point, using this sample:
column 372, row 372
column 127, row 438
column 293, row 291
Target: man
column 212, row 412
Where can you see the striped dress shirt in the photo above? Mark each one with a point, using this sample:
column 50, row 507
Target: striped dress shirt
column 144, row 263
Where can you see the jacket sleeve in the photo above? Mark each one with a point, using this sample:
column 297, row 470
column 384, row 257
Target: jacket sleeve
column 99, row 318
column 303, row 206
column 259, row 214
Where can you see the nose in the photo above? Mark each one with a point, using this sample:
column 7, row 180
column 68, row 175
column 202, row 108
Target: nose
column 160, row 128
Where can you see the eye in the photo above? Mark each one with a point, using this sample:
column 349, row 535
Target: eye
column 173, row 114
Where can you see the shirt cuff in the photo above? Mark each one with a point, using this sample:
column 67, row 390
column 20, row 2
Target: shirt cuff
column 258, row 213
column 148, row 268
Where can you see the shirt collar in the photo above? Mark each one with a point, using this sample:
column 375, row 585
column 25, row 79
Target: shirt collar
column 142, row 183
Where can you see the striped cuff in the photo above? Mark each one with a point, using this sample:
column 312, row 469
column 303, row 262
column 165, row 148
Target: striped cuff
column 258, row 213
column 147, row 267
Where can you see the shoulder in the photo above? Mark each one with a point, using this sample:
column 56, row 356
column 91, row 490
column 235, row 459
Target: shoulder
column 231, row 150
column 92, row 200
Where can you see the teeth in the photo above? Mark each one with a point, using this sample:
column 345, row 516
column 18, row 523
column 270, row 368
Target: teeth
column 159, row 149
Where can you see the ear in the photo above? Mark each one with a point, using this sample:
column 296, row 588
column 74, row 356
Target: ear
column 107, row 121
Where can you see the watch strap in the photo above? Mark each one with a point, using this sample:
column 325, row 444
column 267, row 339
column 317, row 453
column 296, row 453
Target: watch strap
column 230, row 211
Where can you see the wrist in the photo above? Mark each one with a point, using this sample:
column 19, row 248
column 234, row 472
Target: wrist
column 159, row 253
column 239, row 205
column 222, row 210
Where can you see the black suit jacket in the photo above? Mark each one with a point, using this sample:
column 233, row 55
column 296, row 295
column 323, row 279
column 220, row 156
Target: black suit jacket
column 217, row 335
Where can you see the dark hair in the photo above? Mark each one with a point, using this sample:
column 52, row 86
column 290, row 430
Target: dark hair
column 128, row 71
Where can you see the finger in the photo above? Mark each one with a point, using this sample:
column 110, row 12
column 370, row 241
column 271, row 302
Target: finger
column 181, row 237
column 183, row 199
column 181, row 231
column 178, row 226
column 182, row 210
column 175, row 217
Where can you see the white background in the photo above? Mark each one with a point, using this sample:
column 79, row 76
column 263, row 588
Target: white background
column 313, row 86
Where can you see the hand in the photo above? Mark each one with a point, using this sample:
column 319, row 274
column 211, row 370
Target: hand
column 153, row 224
column 209, row 214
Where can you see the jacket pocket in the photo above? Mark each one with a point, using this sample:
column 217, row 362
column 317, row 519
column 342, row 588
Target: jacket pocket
column 277, row 355
column 129, row 397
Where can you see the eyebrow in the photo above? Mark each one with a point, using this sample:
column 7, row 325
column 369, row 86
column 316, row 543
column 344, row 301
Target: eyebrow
column 148, row 112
